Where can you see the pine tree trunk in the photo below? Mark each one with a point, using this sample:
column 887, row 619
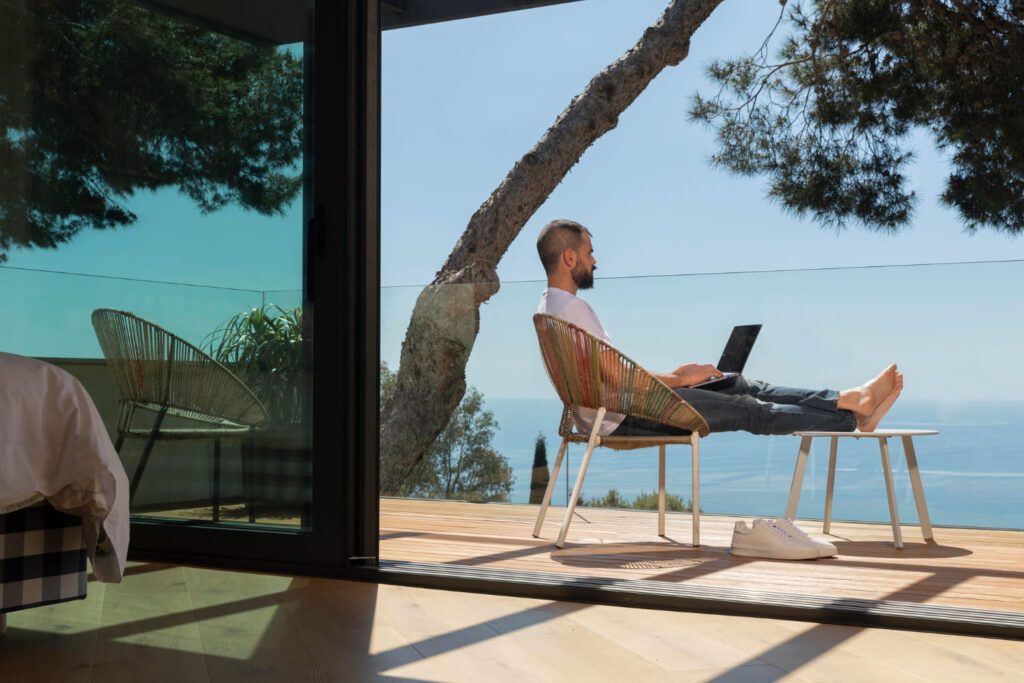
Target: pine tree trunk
column 444, row 325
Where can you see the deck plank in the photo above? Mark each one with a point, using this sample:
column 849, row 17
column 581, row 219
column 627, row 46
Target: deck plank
column 975, row 568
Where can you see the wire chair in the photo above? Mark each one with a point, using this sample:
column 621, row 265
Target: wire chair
column 159, row 372
column 589, row 373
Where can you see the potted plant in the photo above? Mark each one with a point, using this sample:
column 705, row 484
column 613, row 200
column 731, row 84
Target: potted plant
column 264, row 348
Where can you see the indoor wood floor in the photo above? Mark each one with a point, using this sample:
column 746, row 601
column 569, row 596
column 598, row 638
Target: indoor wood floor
column 181, row 624
column 972, row 568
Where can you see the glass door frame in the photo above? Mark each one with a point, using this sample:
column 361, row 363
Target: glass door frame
column 341, row 294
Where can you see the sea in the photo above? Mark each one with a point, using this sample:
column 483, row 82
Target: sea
column 972, row 470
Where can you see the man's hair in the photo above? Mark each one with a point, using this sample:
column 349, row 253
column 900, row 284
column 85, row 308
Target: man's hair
column 555, row 238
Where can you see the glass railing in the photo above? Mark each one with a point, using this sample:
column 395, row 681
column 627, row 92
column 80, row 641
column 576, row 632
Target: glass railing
column 48, row 316
column 952, row 328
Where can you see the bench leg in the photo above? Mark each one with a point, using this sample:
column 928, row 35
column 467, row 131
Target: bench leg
column 915, row 484
column 550, row 489
column 216, row 480
column 661, row 489
column 578, row 488
column 695, row 488
column 831, row 485
column 798, row 477
column 894, row 513
column 249, row 478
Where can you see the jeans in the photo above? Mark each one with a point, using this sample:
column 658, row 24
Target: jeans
column 753, row 406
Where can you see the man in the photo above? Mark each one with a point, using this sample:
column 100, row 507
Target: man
column 566, row 250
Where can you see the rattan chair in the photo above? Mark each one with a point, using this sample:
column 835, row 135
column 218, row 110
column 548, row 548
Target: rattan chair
column 159, row 372
column 589, row 373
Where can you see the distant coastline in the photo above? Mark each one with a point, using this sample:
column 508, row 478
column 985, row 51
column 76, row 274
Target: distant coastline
column 973, row 471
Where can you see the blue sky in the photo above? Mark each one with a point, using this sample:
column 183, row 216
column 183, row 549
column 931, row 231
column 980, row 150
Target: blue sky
column 462, row 102
column 484, row 90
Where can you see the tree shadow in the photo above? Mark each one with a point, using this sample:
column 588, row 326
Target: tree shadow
column 637, row 555
column 319, row 629
column 879, row 549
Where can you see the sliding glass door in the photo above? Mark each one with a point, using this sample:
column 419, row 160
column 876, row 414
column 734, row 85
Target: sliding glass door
column 172, row 230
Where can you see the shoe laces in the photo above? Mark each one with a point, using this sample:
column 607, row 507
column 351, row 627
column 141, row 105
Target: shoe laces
column 790, row 528
column 776, row 529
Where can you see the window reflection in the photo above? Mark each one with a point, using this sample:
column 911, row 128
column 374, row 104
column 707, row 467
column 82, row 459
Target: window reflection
column 151, row 169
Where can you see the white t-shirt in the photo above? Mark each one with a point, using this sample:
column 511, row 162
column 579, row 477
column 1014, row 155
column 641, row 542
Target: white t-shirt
column 562, row 304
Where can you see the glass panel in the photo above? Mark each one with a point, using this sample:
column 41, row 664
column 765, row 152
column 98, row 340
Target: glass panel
column 972, row 471
column 152, row 165
column 835, row 309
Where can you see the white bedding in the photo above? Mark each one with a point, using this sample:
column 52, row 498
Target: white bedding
column 54, row 445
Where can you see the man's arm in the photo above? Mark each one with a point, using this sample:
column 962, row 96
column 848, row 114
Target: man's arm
column 684, row 376
column 687, row 375
column 579, row 313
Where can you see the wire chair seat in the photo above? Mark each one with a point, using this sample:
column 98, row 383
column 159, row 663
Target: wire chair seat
column 567, row 430
column 157, row 371
column 587, row 372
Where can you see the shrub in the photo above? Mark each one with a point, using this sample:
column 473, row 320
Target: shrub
column 644, row 501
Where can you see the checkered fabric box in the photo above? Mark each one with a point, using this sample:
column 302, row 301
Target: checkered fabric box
column 281, row 476
column 42, row 558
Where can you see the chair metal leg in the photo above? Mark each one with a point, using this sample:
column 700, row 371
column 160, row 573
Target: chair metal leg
column 119, row 443
column 798, row 477
column 831, row 485
column 894, row 513
column 216, row 480
column 915, row 484
column 248, row 476
column 695, row 487
column 578, row 488
column 549, row 491
column 661, row 489
column 147, row 449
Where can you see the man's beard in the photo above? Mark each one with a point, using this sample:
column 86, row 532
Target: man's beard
column 583, row 278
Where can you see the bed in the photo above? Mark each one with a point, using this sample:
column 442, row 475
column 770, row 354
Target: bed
column 63, row 490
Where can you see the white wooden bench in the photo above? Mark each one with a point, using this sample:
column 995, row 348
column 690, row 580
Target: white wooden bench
column 883, row 436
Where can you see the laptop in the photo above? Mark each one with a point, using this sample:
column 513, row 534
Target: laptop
column 734, row 356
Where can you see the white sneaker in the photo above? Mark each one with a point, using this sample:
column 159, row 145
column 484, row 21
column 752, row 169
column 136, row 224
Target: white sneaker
column 764, row 539
column 825, row 549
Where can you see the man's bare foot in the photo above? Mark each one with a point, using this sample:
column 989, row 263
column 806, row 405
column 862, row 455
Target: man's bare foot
column 870, row 423
column 863, row 400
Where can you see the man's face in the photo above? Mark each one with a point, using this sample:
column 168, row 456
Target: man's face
column 586, row 264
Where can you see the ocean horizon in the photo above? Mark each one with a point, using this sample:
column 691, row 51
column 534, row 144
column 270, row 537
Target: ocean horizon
column 972, row 471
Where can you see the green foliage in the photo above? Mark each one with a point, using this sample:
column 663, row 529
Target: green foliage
column 388, row 382
column 673, row 503
column 461, row 463
column 828, row 122
column 613, row 499
column 102, row 98
column 263, row 346
column 540, row 451
column 644, row 501
column 540, row 476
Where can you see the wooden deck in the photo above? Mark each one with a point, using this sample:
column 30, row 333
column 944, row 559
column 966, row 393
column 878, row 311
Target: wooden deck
column 970, row 568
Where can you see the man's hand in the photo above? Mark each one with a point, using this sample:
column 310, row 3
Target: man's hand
column 693, row 373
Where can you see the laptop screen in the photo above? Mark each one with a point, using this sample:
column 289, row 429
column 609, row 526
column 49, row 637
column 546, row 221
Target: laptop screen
column 737, row 349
